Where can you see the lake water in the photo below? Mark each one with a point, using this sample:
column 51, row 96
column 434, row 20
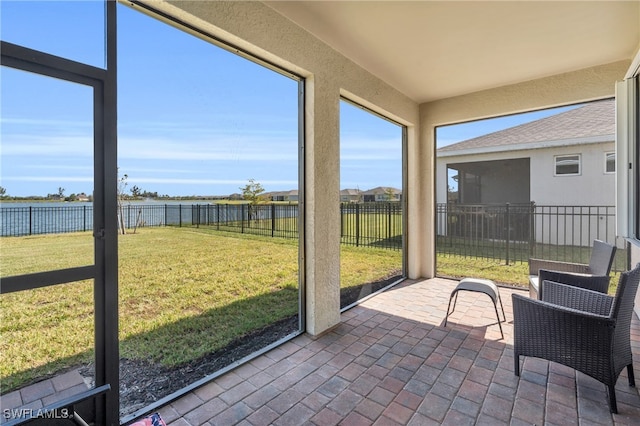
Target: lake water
column 19, row 219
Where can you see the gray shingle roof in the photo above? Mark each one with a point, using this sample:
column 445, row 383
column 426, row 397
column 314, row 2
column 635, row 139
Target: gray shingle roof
column 381, row 190
column 350, row 191
column 590, row 120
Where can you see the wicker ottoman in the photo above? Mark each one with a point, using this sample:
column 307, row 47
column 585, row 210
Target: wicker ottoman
column 478, row 285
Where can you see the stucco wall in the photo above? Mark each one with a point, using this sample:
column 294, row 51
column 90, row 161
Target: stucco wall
column 258, row 29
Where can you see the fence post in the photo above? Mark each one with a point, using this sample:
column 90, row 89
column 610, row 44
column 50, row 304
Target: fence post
column 197, row 214
column 358, row 225
column 389, row 222
column 84, row 217
column 242, row 218
column 30, row 220
column 180, row 215
column 218, row 216
column 508, row 221
column 341, row 221
column 273, row 220
column 532, row 229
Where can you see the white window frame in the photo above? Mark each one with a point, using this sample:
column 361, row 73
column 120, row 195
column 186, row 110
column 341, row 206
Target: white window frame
column 555, row 165
column 606, row 157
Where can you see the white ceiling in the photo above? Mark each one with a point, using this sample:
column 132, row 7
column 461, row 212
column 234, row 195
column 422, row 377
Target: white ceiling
column 437, row 49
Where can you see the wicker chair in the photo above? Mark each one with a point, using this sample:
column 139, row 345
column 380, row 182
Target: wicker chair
column 582, row 329
column 599, row 283
column 600, row 262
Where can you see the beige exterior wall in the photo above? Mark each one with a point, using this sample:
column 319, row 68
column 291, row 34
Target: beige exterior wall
column 258, row 29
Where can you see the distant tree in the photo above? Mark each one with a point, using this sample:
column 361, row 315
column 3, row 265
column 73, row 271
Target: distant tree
column 135, row 191
column 3, row 191
column 389, row 194
column 61, row 192
column 122, row 186
column 252, row 192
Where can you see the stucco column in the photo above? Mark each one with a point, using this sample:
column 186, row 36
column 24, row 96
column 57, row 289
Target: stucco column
column 419, row 215
column 322, row 213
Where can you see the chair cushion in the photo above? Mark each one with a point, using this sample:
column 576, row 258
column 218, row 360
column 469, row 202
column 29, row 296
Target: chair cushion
column 480, row 285
column 534, row 286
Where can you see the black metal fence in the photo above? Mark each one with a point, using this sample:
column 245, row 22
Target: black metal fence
column 506, row 232
column 272, row 220
column 376, row 224
column 501, row 231
column 33, row 220
column 516, row 232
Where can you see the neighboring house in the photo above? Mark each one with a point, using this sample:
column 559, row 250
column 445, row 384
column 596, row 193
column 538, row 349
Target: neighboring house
column 350, row 195
column 567, row 159
column 382, row 193
column 283, row 195
column 564, row 159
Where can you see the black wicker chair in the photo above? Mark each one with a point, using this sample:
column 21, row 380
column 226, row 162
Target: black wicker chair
column 582, row 329
column 600, row 262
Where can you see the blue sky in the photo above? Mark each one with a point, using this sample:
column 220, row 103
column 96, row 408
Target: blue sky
column 193, row 119
column 447, row 135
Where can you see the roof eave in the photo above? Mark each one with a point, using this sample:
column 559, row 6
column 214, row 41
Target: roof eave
column 528, row 146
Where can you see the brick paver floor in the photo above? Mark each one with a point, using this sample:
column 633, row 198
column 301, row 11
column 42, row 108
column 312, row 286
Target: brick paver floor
column 391, row 362
column 40, row 394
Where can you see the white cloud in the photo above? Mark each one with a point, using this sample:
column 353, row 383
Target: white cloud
column 31, row 122
column 211, row 181
column 240, row 148
column 371, row 157
column 47, row 146
column 48, row 178
column 41, row 167
column 164, row 171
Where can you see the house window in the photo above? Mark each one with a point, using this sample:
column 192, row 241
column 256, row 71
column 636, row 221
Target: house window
column 609, row 162
column 567, row 165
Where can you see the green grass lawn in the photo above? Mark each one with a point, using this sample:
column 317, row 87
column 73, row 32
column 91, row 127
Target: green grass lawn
column 372, row 228
column 184, row 292
column 515, row 274
column 459, row 267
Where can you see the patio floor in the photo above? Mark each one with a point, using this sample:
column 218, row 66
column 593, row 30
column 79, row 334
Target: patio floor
column 391, row 361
